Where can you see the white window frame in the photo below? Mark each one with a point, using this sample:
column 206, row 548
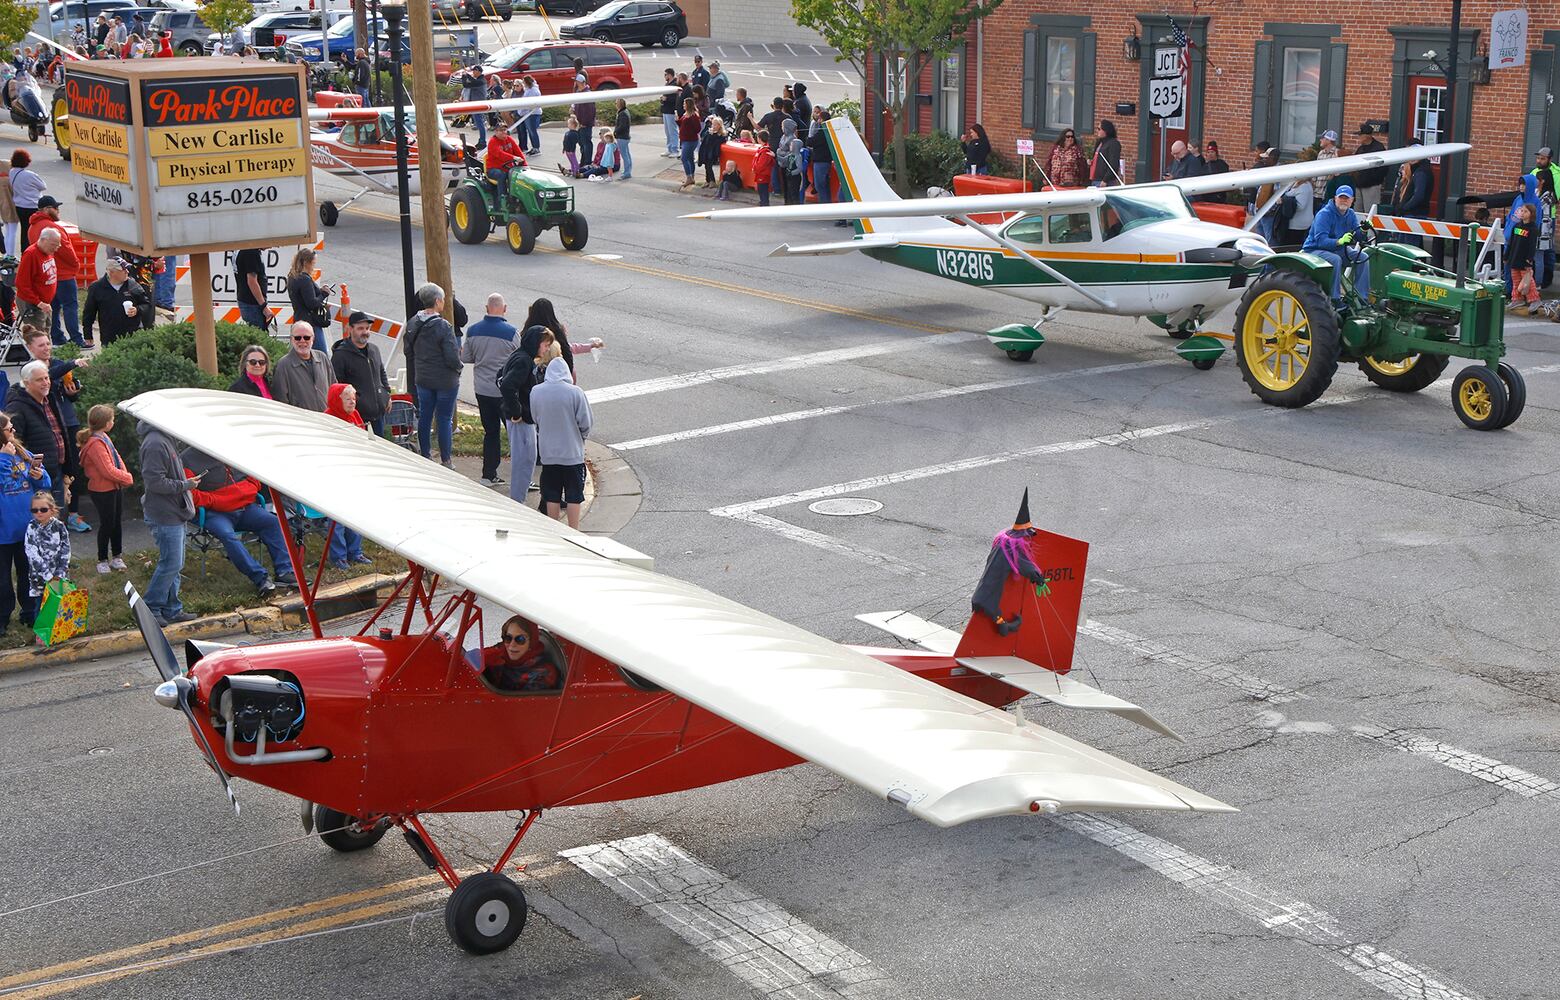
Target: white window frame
column 1285, row 102
column 1069, row 107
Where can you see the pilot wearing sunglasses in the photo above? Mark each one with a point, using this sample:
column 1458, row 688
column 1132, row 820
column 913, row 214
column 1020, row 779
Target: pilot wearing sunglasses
column 518, row 662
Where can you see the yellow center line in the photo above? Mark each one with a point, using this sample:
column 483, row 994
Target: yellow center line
column 723, row 286
column 218, row 930
column 334, row 920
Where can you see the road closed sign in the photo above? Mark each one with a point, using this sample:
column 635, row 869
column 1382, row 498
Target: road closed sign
column 199, row 155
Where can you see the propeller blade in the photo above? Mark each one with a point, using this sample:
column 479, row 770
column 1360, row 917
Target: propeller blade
column 186, row 691
column 152, row 634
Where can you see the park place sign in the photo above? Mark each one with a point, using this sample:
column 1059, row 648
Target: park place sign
column 190, row 155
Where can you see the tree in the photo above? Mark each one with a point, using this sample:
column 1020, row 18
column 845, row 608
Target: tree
column 903, row 34
column 222, row 16
column 16, row 20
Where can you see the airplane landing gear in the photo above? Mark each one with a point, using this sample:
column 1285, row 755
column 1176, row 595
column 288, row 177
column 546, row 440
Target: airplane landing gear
column 486, row 911
column 1020, row 340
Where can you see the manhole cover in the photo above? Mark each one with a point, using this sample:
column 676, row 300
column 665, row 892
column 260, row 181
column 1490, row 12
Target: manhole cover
column 845, row 506
column 98, row 751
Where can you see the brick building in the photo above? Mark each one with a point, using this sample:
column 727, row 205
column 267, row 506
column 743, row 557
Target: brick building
column 746, row 21
column 1274, row 70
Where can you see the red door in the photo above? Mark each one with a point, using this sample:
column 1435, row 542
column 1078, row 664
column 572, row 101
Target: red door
column 1427, row 121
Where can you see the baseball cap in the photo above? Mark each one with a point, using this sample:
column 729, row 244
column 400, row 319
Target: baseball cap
column 1263, row 147
column 1367, row 129
column 1330, row 135
column 119, row 263
column 358, row 316
column 1546, row 151
column 48, row 201
column 1345, row 190
column 1211, row 144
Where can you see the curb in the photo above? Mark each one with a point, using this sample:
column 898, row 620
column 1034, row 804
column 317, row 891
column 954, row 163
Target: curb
column 614, row 492
column 263, row 620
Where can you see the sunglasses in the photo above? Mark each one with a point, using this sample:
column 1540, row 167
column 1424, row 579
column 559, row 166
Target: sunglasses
column 300, row 339
column 261, row 362
column 522, row 639
column 42, row 510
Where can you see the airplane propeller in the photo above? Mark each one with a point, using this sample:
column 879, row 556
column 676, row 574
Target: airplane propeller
column 176, row 689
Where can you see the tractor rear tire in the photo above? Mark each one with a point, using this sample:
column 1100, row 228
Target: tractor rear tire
column 1413, row 373
column 574, row 231
column 485, row 913
column 1516, row 392
column 1286, row 339
column 469, row 215
column 521, row 234
column 344, row 833
column 1479, row 398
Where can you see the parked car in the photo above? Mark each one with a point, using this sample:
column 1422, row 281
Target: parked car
column 59, row 12
column 475, row 10
column 551, row 63
column 571, row 8
column 188, row 30
column 648, row 22
column 292, row 6
column 268, row 33
column 340, row 42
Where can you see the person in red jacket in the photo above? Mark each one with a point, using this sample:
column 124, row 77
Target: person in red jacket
column 228, row 505
column 67, row 295
column 502, row 153
column 763, row 165
column 37, row 279
column 165, row 45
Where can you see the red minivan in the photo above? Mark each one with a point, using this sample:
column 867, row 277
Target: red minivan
column 551, row 64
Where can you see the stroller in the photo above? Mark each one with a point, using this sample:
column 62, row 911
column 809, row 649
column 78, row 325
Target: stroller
column 402, row 421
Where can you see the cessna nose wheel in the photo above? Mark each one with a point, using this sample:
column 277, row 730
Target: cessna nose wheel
column 485, row 913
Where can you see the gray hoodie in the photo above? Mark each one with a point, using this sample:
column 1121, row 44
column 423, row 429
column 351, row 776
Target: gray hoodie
column 167, row 499
column 562, row 417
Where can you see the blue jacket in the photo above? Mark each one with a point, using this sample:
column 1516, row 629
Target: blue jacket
column 1527, row 196
column 1328, row 226
column 16, row 493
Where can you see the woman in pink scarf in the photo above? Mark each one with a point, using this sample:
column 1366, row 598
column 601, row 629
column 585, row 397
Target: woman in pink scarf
column 254, row 376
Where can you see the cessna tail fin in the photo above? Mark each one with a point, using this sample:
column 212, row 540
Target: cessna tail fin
column 1046, row 614
column 861, row 180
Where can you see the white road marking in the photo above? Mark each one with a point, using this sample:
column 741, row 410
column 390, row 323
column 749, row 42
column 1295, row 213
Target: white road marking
column 1249, row 684
column 826, row 411
column 819, row 540
column 787, row 48
column 815, row 49
column 745, row 53
column 1110, row 586
column 846, row 79
column 1283, row 915
column 667, row 383
column 757, row 941
column 816, row 79
column 788, row 75
column 767, row 51
column 1513, row 779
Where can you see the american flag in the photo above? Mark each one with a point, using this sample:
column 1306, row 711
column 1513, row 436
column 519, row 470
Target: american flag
column 1184, row 46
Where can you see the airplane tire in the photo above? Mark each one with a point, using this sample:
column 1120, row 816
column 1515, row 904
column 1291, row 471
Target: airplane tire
column 1021, row 355
column 341, row 832
column 1204, row 364
column 485, row 913
column 469, row 215
column 1409, row 375
column 521, row 234
column 574, row 231
column 1286, row 339
column 329, row 213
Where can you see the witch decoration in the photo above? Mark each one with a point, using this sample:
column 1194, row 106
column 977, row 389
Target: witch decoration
column 1009, row 556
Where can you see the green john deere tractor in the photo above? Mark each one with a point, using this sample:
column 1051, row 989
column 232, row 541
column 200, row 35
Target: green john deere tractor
column 532, row 203
column 1289, row 338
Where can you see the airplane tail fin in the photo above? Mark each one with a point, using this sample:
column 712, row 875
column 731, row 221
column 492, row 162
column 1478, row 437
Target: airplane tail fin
column 861, row 180
column 1030, row 599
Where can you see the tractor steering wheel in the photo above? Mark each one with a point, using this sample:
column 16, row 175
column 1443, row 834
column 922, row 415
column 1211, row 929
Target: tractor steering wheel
column 1367, row 235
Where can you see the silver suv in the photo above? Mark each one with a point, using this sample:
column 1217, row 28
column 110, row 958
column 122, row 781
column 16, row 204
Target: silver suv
column 189, row 31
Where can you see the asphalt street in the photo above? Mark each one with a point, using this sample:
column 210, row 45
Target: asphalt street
column 1345, row 610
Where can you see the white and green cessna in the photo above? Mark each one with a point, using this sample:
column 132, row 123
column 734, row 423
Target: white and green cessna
column 1135, row 250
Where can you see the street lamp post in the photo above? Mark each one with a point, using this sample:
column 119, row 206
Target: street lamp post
column 395, row 13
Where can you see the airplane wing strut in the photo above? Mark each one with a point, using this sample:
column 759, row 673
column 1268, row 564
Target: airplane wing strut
column 1035, row 262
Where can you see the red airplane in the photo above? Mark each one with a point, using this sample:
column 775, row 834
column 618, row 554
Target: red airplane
column 640, row 685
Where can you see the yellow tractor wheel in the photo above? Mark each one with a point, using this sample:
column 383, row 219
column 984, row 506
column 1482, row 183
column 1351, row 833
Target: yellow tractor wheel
column 1286, row 339
column 1479, row 396
column 1409, row 374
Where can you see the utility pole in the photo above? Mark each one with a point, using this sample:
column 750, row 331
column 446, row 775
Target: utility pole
column 360, row 28
column 1449, row 109
column 430, row 150
column 394, row 14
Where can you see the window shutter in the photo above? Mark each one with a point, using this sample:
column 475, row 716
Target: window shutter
column 1535, row 136
column 1083, row 109
column 1261, row 93
column 1031, row 87
column 1336, row 68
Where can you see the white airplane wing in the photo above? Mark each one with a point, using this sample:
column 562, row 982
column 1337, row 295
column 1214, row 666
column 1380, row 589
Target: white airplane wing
column 943, row 756
column 1286, row 172
column 914, row 208
column 871, row 241
column 485, row 107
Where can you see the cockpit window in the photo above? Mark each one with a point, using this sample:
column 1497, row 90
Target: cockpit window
column 1125, row 211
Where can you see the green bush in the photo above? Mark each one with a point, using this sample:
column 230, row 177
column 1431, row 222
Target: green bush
column 933, row 159
column 847, row 108
column 606, row 113
column 161, row 358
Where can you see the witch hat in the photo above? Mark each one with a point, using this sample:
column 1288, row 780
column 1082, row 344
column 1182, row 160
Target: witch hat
column 1021, row 523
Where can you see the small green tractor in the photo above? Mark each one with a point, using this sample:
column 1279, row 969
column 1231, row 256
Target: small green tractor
column 532, row 203
column 1289, row 337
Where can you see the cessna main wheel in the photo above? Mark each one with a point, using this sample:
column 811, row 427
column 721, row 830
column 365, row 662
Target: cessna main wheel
column 485, row 913
column 329, row 213
column 1413, row 373
column 1286, row 339
column 344, row 833
column 469, row 215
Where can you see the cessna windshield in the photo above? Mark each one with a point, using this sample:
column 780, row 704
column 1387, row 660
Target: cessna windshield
column 1127, row 210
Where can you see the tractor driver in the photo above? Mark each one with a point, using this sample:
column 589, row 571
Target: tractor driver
column 1332, row 237
column 518, row 661
column 503, row 152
